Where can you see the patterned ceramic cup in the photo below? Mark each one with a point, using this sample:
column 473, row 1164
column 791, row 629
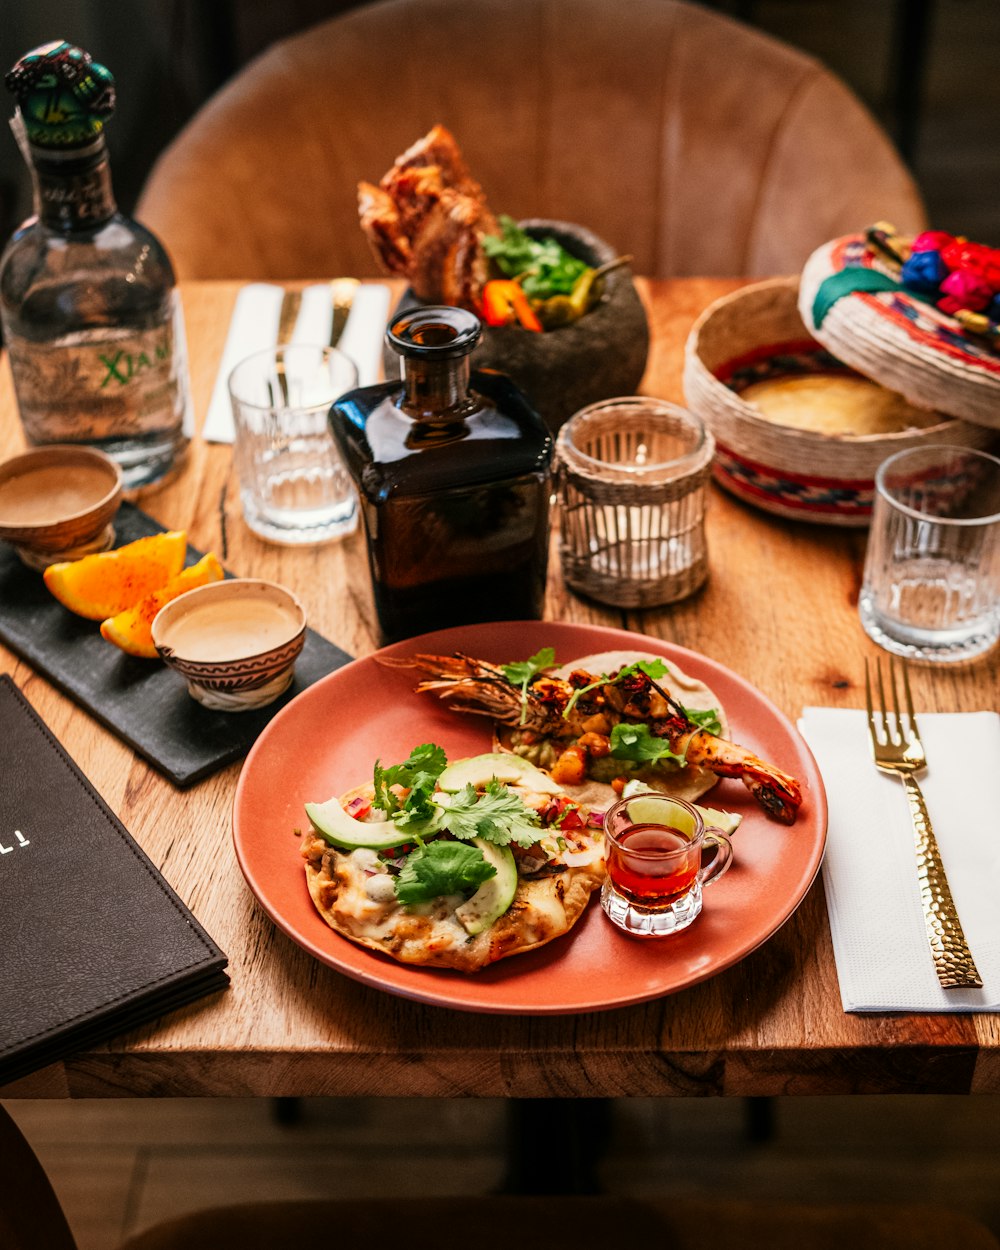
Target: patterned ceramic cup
column 58, row 503
column 235, row 641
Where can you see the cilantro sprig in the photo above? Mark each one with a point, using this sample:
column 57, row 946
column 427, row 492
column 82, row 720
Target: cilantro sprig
column 522, row 671
column 705, row 718
column 636, row 742
column 418, row 774
column 497, row 815
column 652, row 668
column 439, row 868
column 544, row 266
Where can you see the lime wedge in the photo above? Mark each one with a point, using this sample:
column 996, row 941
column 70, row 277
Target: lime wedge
column 713, row 817
column 728, row 822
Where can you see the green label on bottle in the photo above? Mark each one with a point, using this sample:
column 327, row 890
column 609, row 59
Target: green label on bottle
column 123, row 366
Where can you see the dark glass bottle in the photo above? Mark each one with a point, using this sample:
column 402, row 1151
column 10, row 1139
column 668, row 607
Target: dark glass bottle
column 91, row 317
column 453, row 468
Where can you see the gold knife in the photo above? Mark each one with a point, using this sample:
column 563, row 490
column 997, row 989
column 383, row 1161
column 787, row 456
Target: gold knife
column 291, row 302
column 342, row 295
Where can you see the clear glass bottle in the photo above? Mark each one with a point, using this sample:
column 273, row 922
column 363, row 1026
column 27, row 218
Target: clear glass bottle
column 91, row 317
column 454, row 473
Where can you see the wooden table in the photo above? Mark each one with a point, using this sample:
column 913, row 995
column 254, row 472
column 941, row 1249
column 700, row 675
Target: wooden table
column 780, row 609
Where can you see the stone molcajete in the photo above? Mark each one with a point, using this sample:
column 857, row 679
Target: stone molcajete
column 600, row 356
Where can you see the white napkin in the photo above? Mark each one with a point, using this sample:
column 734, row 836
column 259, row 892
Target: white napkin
column 870, row 874
column 254, row 326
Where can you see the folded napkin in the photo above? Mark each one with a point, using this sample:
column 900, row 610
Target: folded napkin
column 870, row 874
column 254, row 326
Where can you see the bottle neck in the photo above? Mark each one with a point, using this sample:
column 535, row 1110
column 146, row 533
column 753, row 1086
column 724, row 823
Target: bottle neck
column 74, row 192
column 436, row 391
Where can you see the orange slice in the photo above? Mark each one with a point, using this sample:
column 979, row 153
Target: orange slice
column 132, row 630
column 103, row 585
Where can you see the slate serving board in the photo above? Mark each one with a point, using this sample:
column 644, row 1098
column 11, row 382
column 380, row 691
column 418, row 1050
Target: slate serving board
column 142, row 701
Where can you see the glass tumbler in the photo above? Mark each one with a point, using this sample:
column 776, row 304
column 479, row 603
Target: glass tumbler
column 931, row 587
column 632, row 478
column 294, row 488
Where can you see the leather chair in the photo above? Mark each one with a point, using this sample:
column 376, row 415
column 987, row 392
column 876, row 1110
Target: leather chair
column 31, row 1219
column 682, row 137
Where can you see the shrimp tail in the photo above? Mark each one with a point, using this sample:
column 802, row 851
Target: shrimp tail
column 778, row 794
column 465, row 684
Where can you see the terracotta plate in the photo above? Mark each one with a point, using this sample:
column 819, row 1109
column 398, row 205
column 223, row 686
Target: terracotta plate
column 326, row 741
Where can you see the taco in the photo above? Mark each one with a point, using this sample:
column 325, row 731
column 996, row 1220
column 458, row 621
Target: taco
column 604, row 720
column 594, row 764
column 453, row 866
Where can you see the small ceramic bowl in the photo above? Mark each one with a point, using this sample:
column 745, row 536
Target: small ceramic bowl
column 58, row 503
column 235, row 641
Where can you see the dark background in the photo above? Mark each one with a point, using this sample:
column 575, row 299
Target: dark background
column 928, row 69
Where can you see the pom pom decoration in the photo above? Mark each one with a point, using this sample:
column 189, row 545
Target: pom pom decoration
column 939, row 348
column 924, row 271
column 964, row 289
column 932, row 241
column 959, row 277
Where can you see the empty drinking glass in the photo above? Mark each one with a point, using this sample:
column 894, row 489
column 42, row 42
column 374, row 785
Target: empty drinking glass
column 294, row 488
column 931, row 588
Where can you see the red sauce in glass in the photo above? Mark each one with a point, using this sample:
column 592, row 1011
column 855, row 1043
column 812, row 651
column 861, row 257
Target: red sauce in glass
column 658, row 870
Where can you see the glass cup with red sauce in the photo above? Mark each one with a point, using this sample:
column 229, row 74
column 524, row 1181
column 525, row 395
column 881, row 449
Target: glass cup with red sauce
column 655, row 849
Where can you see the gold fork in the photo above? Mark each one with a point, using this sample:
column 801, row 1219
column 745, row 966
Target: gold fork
column 897, row 748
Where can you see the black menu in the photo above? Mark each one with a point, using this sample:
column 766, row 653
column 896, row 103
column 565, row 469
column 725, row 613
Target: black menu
column 93, row 941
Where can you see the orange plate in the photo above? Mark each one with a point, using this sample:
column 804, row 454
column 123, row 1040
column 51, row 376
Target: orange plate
column 326, row 741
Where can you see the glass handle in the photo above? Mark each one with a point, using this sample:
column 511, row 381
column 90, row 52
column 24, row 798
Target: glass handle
column 722, row 859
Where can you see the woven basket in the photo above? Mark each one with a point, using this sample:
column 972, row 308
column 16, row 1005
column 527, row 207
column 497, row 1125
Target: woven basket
column 902, row 341
column 801, row 474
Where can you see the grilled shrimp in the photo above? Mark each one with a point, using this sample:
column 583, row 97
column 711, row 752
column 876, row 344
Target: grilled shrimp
column 466, row 684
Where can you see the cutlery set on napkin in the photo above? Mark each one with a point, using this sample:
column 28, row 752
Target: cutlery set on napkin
column 876, row 883
column 350, row 316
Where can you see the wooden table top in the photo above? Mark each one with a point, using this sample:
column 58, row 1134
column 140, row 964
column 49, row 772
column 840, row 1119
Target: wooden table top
column 779, row 609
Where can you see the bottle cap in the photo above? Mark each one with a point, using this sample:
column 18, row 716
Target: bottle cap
column 435, row 332
column 63, row 96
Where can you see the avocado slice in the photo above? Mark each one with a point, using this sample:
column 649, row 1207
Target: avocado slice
column 494, row 896
column 481, row 769
column 341, row 830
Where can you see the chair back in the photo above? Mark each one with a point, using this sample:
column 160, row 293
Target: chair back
column 30, row 1215
column 686, row 139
